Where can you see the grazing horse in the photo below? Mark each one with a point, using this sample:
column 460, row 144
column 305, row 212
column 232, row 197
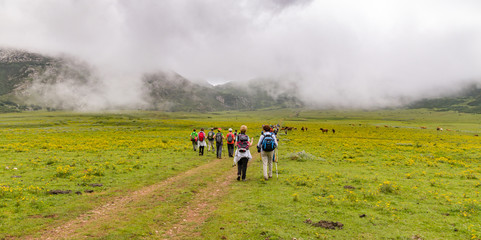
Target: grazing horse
column 324, row 130
column 439, row 128
column 302, row 129
column 424, row 128
column 333, row 131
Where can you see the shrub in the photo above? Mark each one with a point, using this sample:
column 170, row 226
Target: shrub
column 302, row 156
column 388, row 187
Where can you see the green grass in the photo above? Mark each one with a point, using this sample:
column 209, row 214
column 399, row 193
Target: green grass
column 380, row 174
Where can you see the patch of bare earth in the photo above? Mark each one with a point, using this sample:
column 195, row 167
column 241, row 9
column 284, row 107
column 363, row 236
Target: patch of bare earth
column 194, row 213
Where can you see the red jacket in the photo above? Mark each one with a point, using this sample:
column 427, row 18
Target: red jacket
column 233, row 138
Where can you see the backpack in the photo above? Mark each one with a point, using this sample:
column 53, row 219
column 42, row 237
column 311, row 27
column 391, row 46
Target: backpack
column 268, row 143
column 193, row 138
column 218, row 137
column 243, row 142
column 201, row 136
column 210, row 135
column 230, row 138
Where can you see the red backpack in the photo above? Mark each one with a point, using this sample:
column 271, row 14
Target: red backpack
column 201, row 136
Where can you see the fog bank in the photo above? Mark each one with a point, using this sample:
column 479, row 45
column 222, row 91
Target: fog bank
column 340, row 53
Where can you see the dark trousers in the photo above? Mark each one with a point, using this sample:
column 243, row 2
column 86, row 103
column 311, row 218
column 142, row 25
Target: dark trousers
column 219, row 149
column 242, row 168
column 194, row 144
column 230, row 148
column 201, row 150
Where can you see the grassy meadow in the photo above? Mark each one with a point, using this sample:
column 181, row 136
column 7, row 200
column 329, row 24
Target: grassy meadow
column 383, row 174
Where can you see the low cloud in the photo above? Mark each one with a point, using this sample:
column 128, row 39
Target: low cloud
column 338, row 53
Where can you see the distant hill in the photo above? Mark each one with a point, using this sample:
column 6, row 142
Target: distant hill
column 17, row 69
column 29, row 81
column 467, row 101
column 27, row 78
column 170, row 91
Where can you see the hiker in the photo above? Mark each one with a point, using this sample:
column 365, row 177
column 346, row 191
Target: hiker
column 210, row 138
column 266, row 145
column 276, row 130
column 218, row 142
column 193, row 138
column 201, row 142
column 230, row 142
column 242, row 154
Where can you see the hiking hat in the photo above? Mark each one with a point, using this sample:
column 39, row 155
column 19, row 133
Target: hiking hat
column 230, row 129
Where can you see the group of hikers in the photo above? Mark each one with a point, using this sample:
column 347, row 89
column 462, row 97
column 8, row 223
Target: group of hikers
column 238, row 145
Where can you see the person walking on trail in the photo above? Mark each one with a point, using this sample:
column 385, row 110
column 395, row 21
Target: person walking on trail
column 201, row 142
column 219, row 140
column 266, row 145
column 242, row 154
column 210, row 138
column 193, row 138
column 230, row 142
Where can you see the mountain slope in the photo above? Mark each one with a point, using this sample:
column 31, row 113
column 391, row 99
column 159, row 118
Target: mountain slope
column 170, row 91
column 30, row 81
column 468, row 101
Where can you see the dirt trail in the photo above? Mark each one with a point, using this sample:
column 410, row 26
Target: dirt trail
column 196, row 213
column 193, row 213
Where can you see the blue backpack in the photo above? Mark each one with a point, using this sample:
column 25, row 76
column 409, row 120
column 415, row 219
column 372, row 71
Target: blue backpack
column 268, row 143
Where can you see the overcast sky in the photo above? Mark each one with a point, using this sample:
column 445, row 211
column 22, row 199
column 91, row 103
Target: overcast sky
column 342, row 53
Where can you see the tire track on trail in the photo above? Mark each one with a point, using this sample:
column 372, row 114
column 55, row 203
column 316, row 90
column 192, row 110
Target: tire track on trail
column 195, row 213
column 192, row 214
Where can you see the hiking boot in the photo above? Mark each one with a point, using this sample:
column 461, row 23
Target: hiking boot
column 238, row 178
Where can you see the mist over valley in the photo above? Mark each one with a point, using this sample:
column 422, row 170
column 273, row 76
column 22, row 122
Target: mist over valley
column 32, row 81
column 101, row 55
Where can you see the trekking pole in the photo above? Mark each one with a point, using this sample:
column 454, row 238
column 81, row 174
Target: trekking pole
column 277, row 173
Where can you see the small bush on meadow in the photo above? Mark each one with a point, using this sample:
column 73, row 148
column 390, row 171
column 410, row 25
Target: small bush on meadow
column 302, row 156
column 388, row 187
column 64, row 171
